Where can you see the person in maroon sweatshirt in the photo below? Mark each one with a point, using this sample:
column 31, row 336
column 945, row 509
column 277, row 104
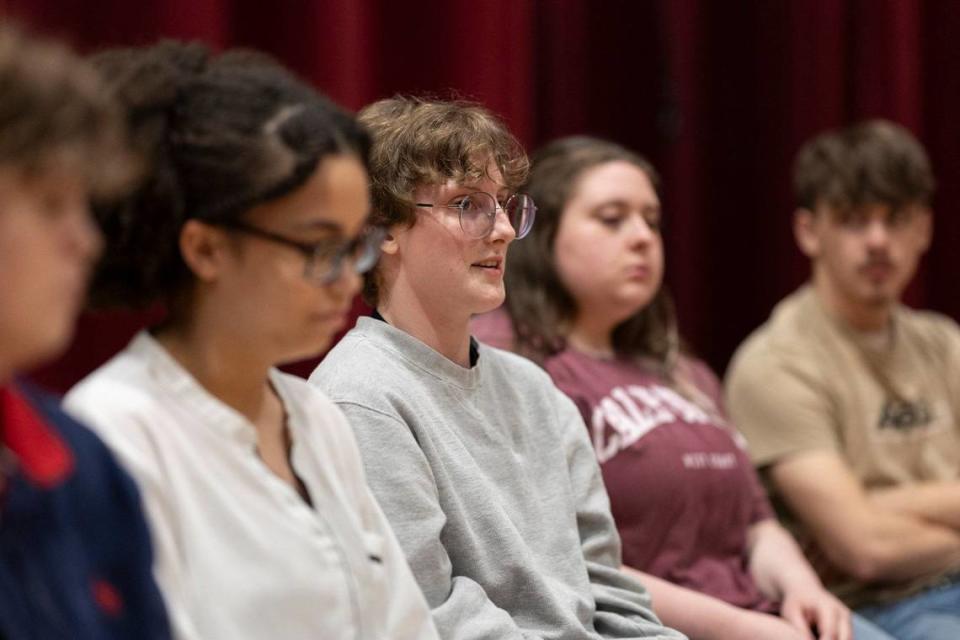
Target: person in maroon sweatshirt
column 585, row 300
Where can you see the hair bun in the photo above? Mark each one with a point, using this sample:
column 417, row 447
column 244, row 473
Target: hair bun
column 147, row 83
column 150, row 79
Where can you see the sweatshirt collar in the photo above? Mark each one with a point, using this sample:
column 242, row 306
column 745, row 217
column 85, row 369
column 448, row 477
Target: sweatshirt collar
column 421, row 355
column 474, row 348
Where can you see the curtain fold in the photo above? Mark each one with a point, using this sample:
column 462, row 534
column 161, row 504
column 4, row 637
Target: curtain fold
column 718, row 95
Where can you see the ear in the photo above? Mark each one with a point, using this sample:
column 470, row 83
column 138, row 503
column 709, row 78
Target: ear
column 203, row 248
column 391, row 244
column 805, row 232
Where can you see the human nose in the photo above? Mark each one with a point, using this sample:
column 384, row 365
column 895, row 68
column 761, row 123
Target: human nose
column 640, row 230
column 502, row 229
column 82, row 235
column 877, row 233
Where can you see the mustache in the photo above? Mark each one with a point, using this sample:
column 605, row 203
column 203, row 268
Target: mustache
column 877, row 261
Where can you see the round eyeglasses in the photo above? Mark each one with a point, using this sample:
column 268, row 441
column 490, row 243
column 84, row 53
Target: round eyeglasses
column 478, row 213
column 325, row 259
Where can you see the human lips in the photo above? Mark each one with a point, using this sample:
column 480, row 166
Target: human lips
column 493, row 264
column 638, row 272
column 877, row 270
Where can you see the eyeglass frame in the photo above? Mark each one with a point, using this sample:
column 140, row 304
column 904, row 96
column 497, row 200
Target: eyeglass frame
column 371, row 237
column 492, row 217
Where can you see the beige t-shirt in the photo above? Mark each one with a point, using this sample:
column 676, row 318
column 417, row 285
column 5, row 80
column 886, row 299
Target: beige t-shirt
column 887, row 404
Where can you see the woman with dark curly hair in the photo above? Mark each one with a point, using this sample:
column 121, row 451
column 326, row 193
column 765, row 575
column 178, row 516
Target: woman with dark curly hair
column 250, row 229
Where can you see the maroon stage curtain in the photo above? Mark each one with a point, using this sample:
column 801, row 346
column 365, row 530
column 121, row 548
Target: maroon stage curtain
column 718, row 94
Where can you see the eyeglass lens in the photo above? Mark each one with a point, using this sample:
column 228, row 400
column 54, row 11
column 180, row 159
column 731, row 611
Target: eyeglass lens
column 362, row 253
column 478, row 213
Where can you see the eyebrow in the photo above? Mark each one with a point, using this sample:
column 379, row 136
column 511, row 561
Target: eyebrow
column 465, row 190
column 623, row 202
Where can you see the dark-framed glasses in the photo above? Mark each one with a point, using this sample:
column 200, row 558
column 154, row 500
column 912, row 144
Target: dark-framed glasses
column 325, row 259
column 478, row 213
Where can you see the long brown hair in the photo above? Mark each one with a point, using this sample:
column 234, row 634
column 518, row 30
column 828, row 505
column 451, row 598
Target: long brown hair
column 541, row 308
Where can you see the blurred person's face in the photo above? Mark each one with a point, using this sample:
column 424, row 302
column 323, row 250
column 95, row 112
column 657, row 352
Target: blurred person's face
column 435, row 266
column 48, row 243
column 271, row 296
column 865, row 256
column 608, row 250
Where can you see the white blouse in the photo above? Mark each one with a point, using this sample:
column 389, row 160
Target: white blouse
column 239, row 554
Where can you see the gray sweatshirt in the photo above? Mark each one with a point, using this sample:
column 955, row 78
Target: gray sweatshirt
column 491, row 485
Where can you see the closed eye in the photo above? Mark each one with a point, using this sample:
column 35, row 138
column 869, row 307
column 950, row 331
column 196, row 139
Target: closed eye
column 612, row 221
column 610, row 217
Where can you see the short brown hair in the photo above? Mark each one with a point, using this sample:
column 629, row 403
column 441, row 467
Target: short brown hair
column 418, row 141
column 875, row 161
column 53, row 110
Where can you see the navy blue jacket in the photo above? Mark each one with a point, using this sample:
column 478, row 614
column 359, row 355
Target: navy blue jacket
column 75, row 555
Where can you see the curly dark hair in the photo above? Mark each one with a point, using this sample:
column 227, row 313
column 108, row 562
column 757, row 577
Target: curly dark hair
column 220, row 134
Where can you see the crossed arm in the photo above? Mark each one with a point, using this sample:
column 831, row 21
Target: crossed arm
column 935, row 502
column 785, row 406
column 896, row 535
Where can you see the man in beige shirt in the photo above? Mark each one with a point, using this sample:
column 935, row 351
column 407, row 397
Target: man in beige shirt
column 850, row 400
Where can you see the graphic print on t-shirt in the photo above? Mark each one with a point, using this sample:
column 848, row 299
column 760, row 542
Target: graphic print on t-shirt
column 902, row 415
column 633, row 411
column 682, row 490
